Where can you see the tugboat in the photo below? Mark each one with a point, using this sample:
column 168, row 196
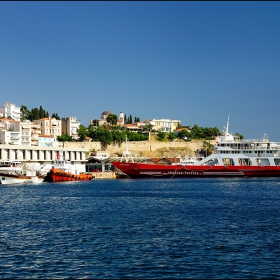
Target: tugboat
column 233, row 157
column 63, row 171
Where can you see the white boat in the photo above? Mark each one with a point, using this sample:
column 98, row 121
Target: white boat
column 20, row 178
column 20, row 173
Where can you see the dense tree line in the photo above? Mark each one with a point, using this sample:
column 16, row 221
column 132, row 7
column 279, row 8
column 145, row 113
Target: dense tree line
column 128, row 120
column 197, row 132
column 35, row 113
column 108, row 135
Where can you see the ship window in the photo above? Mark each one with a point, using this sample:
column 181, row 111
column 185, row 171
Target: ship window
column 244, row 161
column 228, row 161
column 262, row 161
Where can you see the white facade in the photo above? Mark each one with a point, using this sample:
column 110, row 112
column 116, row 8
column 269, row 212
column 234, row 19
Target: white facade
column 121, row 119
column 47, row 141
column 25, row 132
column 44, row 155
column 35, row 132
column 10, row 132
column 10, row 111
column 70, row 126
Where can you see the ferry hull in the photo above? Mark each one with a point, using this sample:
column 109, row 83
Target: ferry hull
column 142, row 170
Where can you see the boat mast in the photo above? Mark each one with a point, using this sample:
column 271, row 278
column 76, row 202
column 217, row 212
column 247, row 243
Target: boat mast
column 127, row 154
column 227, row 134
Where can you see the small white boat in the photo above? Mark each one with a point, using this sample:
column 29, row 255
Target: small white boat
column 10, row 179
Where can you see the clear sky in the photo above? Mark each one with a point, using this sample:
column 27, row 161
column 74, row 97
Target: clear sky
column 197, row 62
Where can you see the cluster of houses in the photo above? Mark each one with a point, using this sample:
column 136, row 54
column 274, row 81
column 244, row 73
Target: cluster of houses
column 44, row 132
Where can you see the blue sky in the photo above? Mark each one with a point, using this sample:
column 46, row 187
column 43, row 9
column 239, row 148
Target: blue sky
column 197, row 62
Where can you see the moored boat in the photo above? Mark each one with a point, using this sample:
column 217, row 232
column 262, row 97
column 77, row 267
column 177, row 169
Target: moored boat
column 19, row 173
column 63, row 170
column 10, row 179
column 233, row 157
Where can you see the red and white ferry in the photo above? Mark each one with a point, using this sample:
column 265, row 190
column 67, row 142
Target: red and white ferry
column 233, row 157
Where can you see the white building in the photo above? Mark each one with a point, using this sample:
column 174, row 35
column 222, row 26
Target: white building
column 121, row 119
column 70, row 126
column 10, row 111
column 44, row 155
column 10, row 132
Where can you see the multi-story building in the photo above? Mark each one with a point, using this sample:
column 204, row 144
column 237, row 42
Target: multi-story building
column 10, row 111
column 35, row 132
column 70, row 126
column 10, row 132
column 49, row 126
column 25, row 129
column 165, row 125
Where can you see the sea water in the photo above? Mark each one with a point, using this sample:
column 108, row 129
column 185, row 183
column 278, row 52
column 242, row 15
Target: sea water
column 175, row 228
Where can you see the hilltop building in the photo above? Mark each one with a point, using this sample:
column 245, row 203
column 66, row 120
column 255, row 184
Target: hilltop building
column 10, row 111
column 70, row 126
column 49, row 126
column 104, row 116
column 165, row 125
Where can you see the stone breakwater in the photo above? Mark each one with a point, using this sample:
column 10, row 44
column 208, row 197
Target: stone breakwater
column 144, row 148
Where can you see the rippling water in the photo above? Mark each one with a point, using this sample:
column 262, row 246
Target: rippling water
column 191, row 228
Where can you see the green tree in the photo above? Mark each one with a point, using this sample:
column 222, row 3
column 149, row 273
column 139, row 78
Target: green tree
column 82, row 132
column 135, row 136
column 25, row 113
column 171, row 136
column 56, row 116
column 184, row 133
column 34, row 114
column 112, row 119
column 129, row 120
column 161, row 136
column 101, row 134
column 197, row 132
column 41, row 112
column 65, row 138
column 95, row 122
column 118, row 136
